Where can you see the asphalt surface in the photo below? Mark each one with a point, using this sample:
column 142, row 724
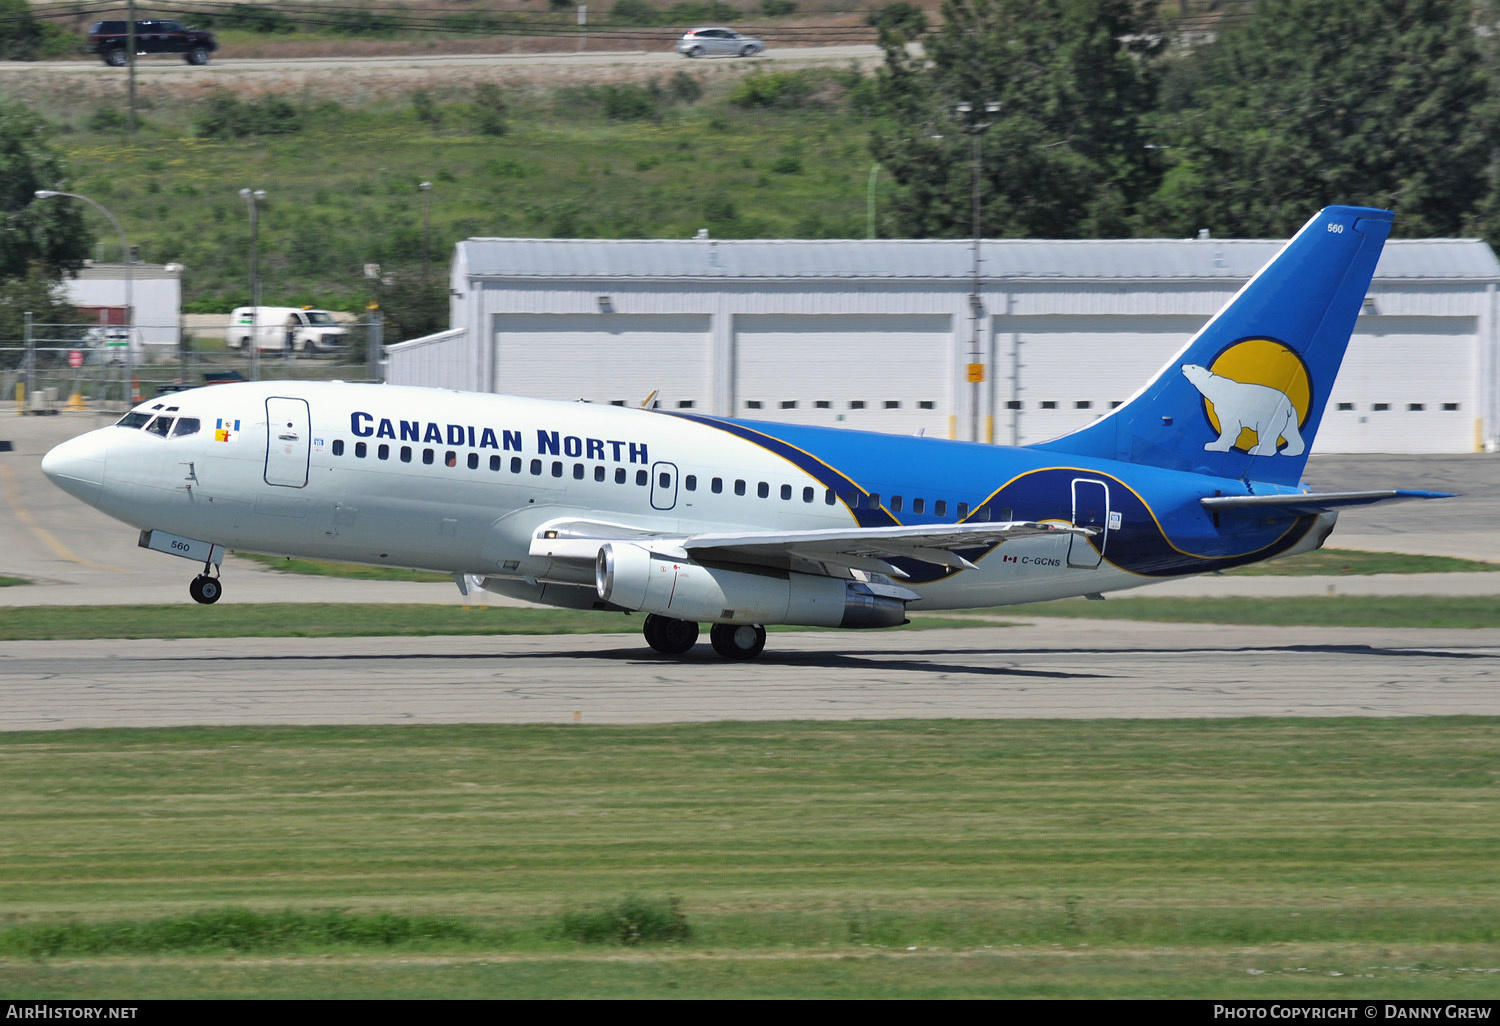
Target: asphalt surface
column 1048, row 668
column 1038, row 668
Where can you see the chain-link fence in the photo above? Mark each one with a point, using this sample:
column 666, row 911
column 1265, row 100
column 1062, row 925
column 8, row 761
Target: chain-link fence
column 85, row 366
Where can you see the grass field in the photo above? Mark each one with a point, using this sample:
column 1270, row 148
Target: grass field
column 1252, row 858
column 327, row 620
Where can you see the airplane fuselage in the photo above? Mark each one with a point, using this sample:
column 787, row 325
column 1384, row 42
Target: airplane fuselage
column 462, row 482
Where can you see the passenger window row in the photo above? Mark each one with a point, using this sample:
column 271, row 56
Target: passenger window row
column 828, row 404
column 1411, row 407
column 739, row 486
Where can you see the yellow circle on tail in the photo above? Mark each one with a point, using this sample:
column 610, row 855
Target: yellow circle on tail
column 1263, row 361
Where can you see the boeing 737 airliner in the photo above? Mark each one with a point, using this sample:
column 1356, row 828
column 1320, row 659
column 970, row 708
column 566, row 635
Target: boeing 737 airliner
column 692, row 519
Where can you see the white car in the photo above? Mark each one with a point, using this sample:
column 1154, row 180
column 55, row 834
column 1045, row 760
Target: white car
column 720, row 42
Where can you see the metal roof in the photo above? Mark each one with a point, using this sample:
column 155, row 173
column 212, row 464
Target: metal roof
column 1230, row 259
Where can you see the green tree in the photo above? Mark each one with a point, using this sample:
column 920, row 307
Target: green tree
column 39, row 292
column 20, row 32
column 50, row 233
column 1064, row 157
column 1383, row 103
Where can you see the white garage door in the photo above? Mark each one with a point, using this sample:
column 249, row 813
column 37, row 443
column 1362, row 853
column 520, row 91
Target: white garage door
column 605, row 358
column 871, row 372
column 1408, row 385
column 1075, row 369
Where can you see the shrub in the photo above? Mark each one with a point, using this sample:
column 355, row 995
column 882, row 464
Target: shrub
column 902, row 19
column 629, row 102
column 252, row 18
column 425, row 109
column 227, row 117
column 105, row 118
column 489, row 109
column 778, row 8
column 772, row 89
column 631, row 922
column 633, row 12
column 685, row 88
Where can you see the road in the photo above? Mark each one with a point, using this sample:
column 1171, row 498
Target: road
column 336, row 77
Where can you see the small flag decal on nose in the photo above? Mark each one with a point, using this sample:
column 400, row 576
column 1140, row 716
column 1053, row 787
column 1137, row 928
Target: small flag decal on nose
column 226, row 430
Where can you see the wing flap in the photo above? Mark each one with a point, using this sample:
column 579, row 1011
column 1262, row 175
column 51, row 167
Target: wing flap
column 867, row 549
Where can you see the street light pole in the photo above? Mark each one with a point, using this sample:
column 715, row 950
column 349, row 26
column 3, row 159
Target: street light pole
column 426, row 188
column 252, row 198
column 129, row 283
column 976, row 128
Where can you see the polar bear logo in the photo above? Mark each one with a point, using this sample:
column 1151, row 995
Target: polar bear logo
column 1241, row 404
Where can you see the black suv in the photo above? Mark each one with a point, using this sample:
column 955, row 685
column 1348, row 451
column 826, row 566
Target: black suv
column 109, row 40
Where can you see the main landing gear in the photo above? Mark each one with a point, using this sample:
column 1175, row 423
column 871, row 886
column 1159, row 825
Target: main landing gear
column 732, row 641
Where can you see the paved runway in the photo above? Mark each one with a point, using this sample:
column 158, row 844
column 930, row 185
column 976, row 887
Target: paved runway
column 1041, row 668
column 1046, row 668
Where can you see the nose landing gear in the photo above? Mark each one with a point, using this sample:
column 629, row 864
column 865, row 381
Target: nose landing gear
column 205, row 589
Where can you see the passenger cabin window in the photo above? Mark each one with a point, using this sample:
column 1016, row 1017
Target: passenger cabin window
column 895, row 504
column 940, row 508
column 641, row 477
column 360, row 449
column 427, row 456
column 338, row 447
column 598, row 473
column 619, row 475
column 495, row 462
column 963, row 510
column 690, row 482
column 716, row 485
column 473, row 461
column 384, row 451
column 536, row 468
column 739, row 487
column 918, row 505
column 763, row 489
column 786, row 492
column 406, row 454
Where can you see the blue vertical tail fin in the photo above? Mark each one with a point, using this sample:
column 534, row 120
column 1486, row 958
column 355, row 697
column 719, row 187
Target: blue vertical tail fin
column 1244, row 398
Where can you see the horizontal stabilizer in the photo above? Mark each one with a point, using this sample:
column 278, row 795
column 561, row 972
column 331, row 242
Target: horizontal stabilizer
column 1312, row 502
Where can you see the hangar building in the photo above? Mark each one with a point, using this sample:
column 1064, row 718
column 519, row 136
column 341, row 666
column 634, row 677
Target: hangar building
column 878, row 334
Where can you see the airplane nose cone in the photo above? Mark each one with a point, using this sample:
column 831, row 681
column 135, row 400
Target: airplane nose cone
column 77, row 466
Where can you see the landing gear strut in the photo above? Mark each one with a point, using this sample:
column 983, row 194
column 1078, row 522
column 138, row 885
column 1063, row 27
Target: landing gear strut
column 669, row 636
column 738, row 640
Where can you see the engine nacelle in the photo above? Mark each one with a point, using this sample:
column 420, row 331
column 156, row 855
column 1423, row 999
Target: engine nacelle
column 633, row 577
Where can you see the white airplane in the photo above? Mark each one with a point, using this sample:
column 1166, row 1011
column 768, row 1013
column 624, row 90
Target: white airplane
column 692, row 519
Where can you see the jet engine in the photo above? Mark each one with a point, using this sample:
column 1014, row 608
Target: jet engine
column 633, row 577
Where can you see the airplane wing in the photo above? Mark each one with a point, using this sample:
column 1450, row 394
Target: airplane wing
column 1311, row 502
column 819, row 551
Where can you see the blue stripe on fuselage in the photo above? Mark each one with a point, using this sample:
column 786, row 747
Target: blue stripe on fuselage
column 1163, row 530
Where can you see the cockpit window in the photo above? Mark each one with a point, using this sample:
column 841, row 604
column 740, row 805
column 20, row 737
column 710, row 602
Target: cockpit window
column 185, row 426
column 133, row 420
column 160, row 426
